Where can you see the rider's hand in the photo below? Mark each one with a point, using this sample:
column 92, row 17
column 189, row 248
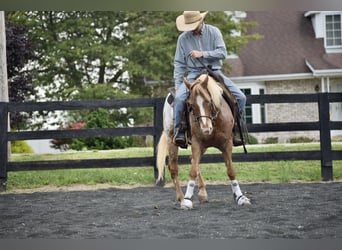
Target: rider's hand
column 196, row 54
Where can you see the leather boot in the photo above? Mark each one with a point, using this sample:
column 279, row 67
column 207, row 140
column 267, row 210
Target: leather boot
column 236, row 136
column 179, row 139
column 237, row 140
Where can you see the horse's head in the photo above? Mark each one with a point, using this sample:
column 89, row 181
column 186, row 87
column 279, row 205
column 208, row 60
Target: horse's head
column 204, row 101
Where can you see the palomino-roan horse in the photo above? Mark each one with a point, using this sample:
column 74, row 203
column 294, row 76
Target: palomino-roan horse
column 211, row 122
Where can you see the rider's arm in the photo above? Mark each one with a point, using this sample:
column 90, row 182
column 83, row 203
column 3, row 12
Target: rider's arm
column 216, row 42
column 179, row 64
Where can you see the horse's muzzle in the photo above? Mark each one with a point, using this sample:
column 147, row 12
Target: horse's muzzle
column 207, row 130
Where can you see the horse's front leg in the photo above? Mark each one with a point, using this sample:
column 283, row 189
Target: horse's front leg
column 238, row 196
column 186, row 203
column 202, row 192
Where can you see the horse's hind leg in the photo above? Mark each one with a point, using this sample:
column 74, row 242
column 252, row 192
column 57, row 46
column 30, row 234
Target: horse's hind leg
column 202, row 192
column 173, row 168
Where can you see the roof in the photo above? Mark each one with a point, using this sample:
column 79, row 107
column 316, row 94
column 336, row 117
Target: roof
column 289, row 46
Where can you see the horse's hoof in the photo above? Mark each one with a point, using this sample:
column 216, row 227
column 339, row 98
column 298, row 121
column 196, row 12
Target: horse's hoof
column 247, row 202
column 160, row 183
column 243, row 200
column 203, row 199
column 186, row 204
column 202, row 196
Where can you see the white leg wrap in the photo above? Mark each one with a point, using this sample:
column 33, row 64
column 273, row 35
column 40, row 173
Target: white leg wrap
column 238, row 196
column 236, row 188
column 190, row 190
column 186, row 203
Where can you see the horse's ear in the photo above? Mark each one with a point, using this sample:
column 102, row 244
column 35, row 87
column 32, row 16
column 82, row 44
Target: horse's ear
column 205, row 81
column 187, row 83
column 206, row 77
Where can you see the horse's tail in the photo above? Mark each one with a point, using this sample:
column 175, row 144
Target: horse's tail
column 162, row 153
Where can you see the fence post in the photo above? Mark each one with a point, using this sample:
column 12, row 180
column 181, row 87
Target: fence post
column 3, row 146
column 158, row 129
column 325, row 137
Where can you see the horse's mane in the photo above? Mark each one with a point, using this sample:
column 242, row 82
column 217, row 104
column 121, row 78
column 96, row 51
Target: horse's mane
column 215, row 91
column 212, row 92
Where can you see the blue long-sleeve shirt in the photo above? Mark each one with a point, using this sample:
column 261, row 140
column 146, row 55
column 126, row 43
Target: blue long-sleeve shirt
column 210, row 42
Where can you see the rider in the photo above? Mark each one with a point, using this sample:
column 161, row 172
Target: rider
column 199, row 41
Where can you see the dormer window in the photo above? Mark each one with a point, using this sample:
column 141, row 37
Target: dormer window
column 328, row 25
column 333, row 28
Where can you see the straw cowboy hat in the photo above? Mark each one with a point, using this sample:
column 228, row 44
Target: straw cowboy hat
column 189, row 20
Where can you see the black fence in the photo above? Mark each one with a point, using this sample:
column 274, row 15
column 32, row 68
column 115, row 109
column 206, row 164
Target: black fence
column 326, row 155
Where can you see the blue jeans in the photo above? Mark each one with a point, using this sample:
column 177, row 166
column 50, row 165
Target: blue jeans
column 182, row 94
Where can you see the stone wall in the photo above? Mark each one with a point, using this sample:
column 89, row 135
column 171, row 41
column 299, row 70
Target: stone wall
column 291, row 112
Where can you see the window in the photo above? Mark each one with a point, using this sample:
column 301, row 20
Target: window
column 248, row 109
column 333, row 37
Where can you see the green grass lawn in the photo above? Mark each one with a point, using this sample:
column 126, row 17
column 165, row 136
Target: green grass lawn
column 275, row 172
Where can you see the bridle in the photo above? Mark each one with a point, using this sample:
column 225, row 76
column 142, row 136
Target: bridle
column 213, row 110
column 212, row 117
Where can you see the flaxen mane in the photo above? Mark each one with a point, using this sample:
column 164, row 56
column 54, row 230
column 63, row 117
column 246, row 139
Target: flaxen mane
column 215, row 91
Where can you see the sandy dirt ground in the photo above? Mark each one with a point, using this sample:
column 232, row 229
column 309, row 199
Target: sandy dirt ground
column 293, row 210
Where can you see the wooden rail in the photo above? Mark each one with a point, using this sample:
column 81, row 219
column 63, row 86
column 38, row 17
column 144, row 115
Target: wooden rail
column 326, row 155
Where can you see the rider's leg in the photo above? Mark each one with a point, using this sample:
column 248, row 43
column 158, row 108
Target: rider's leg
column 241, row 102
column 237, row 93
column 180, row 98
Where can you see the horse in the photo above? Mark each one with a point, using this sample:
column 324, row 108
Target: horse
column 211, row 122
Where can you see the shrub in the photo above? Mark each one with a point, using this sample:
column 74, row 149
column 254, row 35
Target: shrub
column 102, row 143
column 21, row 147
column 301, row 139
column 103, row 118
column 252, row 140
column 337, row 138
column 64, row 143
column 271, row 140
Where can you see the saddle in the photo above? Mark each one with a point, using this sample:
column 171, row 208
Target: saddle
column 185, row 122
column 240, row 126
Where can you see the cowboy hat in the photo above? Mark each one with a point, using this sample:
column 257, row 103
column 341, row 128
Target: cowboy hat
column 189, row 20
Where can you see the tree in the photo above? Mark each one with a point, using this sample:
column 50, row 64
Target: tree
column 20, row 51
column 75, row 49
column 153, row 37
column 116, row 51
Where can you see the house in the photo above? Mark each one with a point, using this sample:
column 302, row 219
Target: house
column 301, row 52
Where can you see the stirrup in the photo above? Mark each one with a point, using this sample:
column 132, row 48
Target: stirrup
column 238, row 137
column 237, row 141
column 180, row 141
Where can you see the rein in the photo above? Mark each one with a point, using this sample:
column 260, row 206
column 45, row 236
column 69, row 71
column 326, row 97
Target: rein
column 218, row 79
